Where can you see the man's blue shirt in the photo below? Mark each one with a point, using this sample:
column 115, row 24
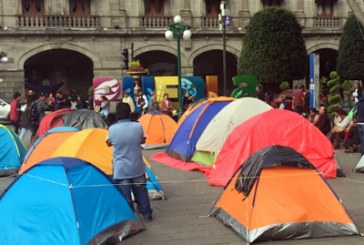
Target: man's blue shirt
column 126, row 136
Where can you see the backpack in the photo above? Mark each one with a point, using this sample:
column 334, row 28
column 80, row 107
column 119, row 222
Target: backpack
column 34, row 113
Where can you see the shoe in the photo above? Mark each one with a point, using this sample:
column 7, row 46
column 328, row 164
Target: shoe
column 147, row 218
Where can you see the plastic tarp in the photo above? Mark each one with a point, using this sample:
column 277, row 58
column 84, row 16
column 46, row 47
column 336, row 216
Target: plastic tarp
column 83, row 119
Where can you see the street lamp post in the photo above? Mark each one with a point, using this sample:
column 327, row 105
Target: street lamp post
column 3, row 57
column 177, row 29
column 225, row 21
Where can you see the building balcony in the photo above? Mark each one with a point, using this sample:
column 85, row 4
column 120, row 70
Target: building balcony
column 327, row 22
column 155, row 21
column 60, row 21
column 208, row 22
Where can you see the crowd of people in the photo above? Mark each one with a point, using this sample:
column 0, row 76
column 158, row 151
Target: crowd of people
column 343, row 130
column 141, row 104
column 25, row 115
column 27, row 111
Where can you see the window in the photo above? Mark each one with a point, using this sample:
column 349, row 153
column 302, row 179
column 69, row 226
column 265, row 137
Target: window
column 154, row 7
column 325, row 8
column 80, row 7
column 269, row 3
column 212, row 8
column 33, row 7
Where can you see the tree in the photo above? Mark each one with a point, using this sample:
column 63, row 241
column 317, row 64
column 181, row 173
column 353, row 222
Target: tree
column 350, row 60
column 334, row 97
column 273, row 47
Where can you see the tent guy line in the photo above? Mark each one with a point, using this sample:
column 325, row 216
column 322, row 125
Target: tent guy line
column 174, row 181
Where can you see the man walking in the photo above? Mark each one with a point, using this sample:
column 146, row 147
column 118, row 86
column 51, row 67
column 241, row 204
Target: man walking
column 14, row 115
column 128, row 167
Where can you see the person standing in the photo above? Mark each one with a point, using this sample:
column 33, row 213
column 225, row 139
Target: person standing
column 298, row 100
column 104, row 107
column 152, row 102
column 37, row 112
column 141, row 102
column 358, row 90
column 166, row 105
column 259, row 92
column 14, row 115
column 128, row 167
column 127, row 99
column 25, row 124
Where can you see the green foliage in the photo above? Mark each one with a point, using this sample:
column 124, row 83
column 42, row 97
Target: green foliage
column 334, row 98
column 334, row 89
column 323, row 85
column 273, row 47
column 284, row 86
column 347, row 85
column 350, row 60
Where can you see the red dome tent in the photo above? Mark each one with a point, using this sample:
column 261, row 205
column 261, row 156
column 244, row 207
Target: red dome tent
column 51, row 120
column 274, row 127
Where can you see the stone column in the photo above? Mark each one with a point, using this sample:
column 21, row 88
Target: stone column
column 187, row 70
column 11, row 81
column 244, row 14
column 122, row 13
column 185, row 12
column 300, row 12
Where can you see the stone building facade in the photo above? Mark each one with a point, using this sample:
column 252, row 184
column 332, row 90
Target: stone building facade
column 68, row 42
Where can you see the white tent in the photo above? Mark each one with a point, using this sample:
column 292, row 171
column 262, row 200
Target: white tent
column 359, row 167
column 213, row 137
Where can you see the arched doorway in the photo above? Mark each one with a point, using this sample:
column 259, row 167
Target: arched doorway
column 327, row 61
column 58, row 69
column 210, row 63
column 159, row 63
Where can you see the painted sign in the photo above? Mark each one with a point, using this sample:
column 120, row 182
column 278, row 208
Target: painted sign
column 109, row 87
column 314, row 80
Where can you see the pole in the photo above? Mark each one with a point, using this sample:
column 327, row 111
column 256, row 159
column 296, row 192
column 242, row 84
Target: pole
column 178, row 37
column 132, row 51
column 224, row 54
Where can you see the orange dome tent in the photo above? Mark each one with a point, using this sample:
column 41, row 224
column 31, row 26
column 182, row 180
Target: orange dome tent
column 278, row 194
column 159, row 129
column 44, row 146
column 90, row 146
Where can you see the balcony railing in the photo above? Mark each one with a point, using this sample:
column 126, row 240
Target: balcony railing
column 327, row 22
column 155, row 21
column 209, row 22
column 65, row 21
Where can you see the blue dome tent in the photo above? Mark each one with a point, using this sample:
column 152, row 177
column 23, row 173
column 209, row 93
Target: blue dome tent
column 12, row 151
column 64, row 201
